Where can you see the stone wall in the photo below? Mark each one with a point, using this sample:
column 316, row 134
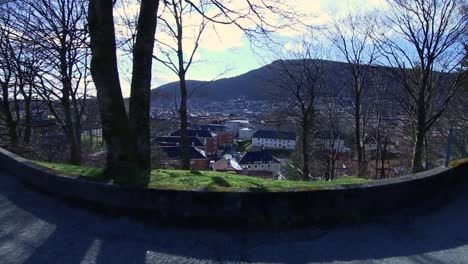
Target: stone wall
column 341, row 204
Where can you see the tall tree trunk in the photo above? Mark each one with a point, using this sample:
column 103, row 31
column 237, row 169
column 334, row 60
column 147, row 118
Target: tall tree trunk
column 418, row 150
column 184, row 124
column 305, row 150
column 139, row 110
column 122, row 162
column 70, row 125
column 27, row 121
column 10, row 123
column 357, row 134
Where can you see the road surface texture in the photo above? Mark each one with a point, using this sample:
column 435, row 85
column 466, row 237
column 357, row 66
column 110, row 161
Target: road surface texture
column 36, row 228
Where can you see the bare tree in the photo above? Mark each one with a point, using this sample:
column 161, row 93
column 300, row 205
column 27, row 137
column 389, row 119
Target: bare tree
column 300, row 79
column 179, row 59
column 6, row 79
column 352, row 37
column 126, row 137
column 56, row 65
column 423, row 41
column 19, row 61
column 123, row 156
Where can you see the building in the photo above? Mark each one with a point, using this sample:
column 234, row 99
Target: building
column 261, row 160
column 331, row 141
column 175, row 141
column 227, row 163
column 233, row 126
column 209, row 139
column 246, row 133
column 274, row 140
column 225, row 137
column 173, row 158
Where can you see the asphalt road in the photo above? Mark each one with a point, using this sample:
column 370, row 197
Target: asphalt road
column 36, row 228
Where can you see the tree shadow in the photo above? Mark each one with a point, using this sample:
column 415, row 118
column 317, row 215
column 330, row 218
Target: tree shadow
column 219, row 181
column 48, row 230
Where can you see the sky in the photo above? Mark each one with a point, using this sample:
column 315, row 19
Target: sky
column 225, row 51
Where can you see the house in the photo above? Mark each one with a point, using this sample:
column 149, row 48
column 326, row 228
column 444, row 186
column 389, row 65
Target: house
column 225, row 137
column 227, row 163
column 233, row 126
column 370, row 144
column 246, row 133
column 274, row 139
column 173, row 157
column 331, row 141
column 175, row 141
column 209, row 139
column 392, row 164
column 260, row 161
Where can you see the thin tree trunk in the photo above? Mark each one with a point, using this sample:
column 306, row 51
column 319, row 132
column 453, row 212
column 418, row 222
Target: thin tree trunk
column 27, row 121
column 184, row 124
column 139, row 110
column 305, row 150
column 10, row 123
column 357, row 134
column 418, row 150
column 122, row 163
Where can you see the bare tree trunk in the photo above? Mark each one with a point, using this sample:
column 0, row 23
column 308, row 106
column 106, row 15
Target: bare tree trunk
column 305, row 149
column 139, row 112
column 357, row 132
column 418, row 150
column 184, row 123
column 122, row 162
column 383, row 157
column 10, row 123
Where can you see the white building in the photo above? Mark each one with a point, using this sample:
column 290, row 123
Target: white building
column 246, row 133
column 233, row 126
column 274, row 140
column 259, row 161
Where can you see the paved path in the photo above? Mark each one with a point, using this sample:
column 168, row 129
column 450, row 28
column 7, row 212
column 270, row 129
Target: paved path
column 35, row 228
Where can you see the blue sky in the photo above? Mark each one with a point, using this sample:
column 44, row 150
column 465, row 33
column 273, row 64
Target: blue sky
column 226, row 52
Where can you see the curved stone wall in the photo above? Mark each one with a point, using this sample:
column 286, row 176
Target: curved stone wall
column 341, row 204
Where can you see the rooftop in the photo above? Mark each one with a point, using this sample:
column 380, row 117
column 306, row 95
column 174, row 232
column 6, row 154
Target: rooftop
column 195, row 133
column 175, row 141
column 175, row 152
column 262, row 156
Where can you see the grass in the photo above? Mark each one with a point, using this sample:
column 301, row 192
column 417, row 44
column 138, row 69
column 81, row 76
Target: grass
column 209, row 180
column 75, row 170
column 457, row 163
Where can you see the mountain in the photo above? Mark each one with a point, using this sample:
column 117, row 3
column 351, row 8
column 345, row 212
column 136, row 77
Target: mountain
column 260, row 84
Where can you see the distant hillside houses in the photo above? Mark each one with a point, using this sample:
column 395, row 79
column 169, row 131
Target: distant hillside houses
column 268, row 139
column 209, row 139
column 173, row 158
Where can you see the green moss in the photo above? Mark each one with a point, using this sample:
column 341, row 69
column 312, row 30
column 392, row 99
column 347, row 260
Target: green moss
column 457, row 163
column 212, row 181
column 90, row 172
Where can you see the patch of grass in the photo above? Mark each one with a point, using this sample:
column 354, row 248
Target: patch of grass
column 213, row 181
column 457, row 163
column 242, row 146
column 75, row 170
